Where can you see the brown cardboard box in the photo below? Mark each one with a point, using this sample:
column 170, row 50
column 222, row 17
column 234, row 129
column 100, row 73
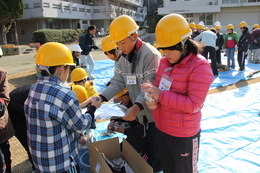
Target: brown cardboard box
column 111, row 149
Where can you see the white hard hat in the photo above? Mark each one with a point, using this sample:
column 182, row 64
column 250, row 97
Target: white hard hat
column 76, row 48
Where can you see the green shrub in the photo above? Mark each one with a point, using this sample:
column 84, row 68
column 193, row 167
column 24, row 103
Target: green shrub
column 57, row 35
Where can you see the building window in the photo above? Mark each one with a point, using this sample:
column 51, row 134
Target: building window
column 49, row 23
column 46, row 5
column 66, row 7
column 189, row 17
column 26, row 6
column 36, row 5
column 57, row 6
column 84, row 22
column 207, row 18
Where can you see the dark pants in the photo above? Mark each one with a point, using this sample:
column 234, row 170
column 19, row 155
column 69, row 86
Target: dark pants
column 2, row 162
column 5, row 148
column 212, row 55
column 241, row 56
column 218, row 56
column 178, row 155
column 21, row 135
column 154, row 160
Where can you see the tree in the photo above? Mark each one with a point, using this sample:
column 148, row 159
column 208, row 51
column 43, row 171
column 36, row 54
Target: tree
column 153, row 20
column 10, row 10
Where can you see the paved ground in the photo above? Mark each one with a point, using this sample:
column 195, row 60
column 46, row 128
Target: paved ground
column 20, row 63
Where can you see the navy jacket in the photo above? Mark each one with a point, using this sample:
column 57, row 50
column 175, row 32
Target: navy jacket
column 244, row 41
column 86, row 41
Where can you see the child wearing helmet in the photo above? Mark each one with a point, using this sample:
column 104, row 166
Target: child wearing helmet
column 80, row 77
column 138, row 63
column 179, row 91
column 219, row 43
column 53, row 114
column 243, row 45
column 230, row 42
column 76, row 52
column 135, row 133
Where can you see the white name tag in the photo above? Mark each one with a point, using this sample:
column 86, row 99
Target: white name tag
column 131, row 80
column 165, row 83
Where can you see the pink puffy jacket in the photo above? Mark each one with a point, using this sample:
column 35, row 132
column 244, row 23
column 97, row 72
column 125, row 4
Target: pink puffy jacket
column 178, row 112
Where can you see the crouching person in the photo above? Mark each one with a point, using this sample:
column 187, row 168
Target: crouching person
column 53, row 115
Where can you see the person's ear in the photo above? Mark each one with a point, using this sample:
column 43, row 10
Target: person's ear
column 135, row 36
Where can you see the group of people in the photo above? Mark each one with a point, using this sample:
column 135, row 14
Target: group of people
column 213, row 41
column 169, row 122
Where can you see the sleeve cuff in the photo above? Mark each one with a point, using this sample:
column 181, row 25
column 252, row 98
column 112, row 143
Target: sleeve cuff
column 139, row 105
column 91, row 111
column 104, row 99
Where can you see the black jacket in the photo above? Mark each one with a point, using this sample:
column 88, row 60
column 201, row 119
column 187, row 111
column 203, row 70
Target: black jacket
column 86, row 42
column 220, row 40
column 244, row 41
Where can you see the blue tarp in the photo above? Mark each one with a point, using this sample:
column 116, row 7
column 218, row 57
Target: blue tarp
column 104, row 70
column 230, row 137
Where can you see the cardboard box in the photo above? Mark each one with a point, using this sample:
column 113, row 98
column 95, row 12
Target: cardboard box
column 111, row 149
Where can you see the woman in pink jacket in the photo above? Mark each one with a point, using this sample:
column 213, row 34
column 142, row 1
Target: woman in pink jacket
column 182, row 82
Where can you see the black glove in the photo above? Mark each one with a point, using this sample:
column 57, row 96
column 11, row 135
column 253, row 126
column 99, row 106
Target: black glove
column 95, row 47
column 2, row 109
column 93, row 123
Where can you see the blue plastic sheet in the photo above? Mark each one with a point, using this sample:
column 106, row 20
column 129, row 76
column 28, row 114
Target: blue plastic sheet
column 104, row 70
column 230, row 137
column 234, row 75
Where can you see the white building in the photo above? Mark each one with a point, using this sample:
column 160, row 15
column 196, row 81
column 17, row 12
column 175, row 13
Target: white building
column 74, row 14
column 210, row 11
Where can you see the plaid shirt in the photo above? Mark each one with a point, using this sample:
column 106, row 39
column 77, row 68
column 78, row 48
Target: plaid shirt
column 54, row 123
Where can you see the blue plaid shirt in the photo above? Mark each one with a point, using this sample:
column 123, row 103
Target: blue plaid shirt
column 54, row 123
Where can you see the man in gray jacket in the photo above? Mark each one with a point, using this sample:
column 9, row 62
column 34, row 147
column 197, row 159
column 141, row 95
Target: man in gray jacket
column 139, row 63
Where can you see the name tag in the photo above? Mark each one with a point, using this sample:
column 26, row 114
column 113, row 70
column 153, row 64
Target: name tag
column 229, row 38
column 165, row 83
column 131, row 80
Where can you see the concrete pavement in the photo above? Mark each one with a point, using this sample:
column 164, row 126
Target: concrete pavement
column 19, row 63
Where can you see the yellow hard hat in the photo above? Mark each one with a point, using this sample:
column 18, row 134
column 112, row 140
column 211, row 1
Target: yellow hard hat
column 206, row 28
column 81, row 93
column 108, row 44
column 217, row 27
column 242, row 24
column 160, row 50
column 199, row 26
column 230, row 26
column 78, row 74
column 192, row 25
column 125, row 90
column 169, row 35
column 256, row 26
column 54, row 54
column 122, row 27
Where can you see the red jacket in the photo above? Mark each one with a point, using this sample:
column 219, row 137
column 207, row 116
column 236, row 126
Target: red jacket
column 178, row 112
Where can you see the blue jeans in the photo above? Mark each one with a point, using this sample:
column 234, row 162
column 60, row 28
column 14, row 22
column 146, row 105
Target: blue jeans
column 230, row 57
column 89, row 63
